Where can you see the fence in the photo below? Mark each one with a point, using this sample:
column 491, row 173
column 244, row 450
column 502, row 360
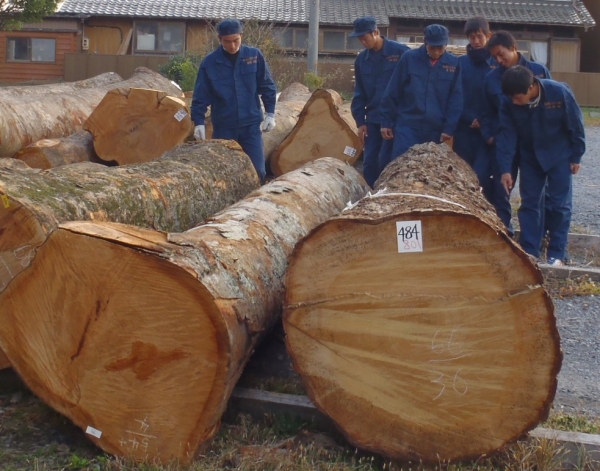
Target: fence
column 586, row 86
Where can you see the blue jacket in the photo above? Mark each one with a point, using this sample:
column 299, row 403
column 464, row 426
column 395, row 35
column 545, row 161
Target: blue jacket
column 551, row 132
column 372, row 73
column 233, row 92
column 493, row 95
column 423, row 95
column 474, row 66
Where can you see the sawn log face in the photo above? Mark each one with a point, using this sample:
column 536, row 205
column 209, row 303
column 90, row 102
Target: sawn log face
column 443, row 353
column 138, row 333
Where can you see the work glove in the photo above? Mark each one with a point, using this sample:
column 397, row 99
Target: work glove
column 269, row 123
column 200, row 132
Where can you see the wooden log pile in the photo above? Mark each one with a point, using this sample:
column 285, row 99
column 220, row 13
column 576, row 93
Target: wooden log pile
column 62, row 109
column 426, row 333
column 139, row 336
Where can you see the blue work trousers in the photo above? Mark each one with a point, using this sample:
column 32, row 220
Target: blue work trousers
column 499, row 198
column 250, row 139
column 405, row 137
column 553, row 187
column 470, row 146
column 375, row 145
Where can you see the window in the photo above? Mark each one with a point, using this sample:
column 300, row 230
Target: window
column 340, row 41
column 292, row 38
column 410, row 39
column 159, row 37
column 31, row 50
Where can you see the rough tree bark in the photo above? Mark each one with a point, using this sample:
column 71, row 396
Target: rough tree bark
column 426, row 333
column 320, row 132
column 27, row 119
column 154, row 329
column 101, row 80
column 174, row 193
column 136, row 125
column 4, row 361
column 51, row 153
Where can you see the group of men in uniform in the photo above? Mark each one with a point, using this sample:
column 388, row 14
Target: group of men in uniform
column 502, row 113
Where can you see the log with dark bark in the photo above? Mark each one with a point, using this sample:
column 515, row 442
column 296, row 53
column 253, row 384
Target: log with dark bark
column 51, row 153
column 139, row 336
column 426, row 333
column 4, row 361
column 135, row 125
column 30, row 118
column 320, row 132
column 174, row 193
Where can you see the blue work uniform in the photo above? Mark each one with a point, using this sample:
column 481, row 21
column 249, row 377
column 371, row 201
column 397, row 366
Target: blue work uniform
column 548, row 138
column 469, row 142
column 372, row 71
column 422, row 100
column 233, row 91
column 490, row 125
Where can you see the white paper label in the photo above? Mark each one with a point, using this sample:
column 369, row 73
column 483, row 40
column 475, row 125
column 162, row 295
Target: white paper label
column 351, row 151
column 410, row 237
column 93, row 432
column 180, row 115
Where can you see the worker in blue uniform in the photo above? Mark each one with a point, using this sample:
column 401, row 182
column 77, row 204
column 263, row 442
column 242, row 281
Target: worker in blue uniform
column 503, row 48
column 423, row 100
column 543, row 123
column 372, row 70
column 231, row 79
column 474, row 66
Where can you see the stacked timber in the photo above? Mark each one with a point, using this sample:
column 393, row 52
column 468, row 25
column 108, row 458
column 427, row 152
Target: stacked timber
column 321, row 131
column 426, row 333
column 136, row 125
column 174, row 193
column 139, row 336
column 50, row 153
column 24, row 91
column 25, row 119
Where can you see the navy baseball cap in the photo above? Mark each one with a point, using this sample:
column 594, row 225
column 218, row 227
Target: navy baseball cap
column 229, row 26
column 364, row 25
column 436, row 35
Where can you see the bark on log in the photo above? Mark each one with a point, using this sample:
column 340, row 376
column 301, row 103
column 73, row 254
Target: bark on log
column 320, row 132
column 51, row 153
column 155, row 328
column 4, row 361
column 101, row 80
column 136, row 125
column 442, row 354
column 174, row 193
column 27, row 119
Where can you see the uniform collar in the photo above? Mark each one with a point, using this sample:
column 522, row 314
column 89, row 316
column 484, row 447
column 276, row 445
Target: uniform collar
column 385, row 50
column 223, row 59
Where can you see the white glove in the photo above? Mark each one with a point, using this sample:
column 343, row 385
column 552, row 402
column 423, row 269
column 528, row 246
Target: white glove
column 269, row 123
column 200, row 132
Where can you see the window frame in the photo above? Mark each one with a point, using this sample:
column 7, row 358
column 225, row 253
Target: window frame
column 346, row 50
column 30, row 59
column 158, row 24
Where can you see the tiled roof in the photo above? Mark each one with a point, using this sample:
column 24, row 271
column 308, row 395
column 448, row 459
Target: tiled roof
column 342, row 12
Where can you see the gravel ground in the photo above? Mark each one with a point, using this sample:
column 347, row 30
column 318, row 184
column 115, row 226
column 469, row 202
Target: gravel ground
column 578, row 317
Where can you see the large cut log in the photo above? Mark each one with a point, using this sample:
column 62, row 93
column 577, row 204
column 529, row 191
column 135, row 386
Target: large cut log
column 174, row 193
column 294, row 92
column 4, row 361
column 51, row 153
column 139, row 336
column 320, row 132
column 24, row 91
column 135, row 125
column 425, row 334
column 30, row 118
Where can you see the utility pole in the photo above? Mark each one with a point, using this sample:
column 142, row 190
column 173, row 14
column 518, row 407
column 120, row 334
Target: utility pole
column 313, row 36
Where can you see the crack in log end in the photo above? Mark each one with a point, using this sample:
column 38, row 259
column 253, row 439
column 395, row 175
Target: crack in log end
column 81, row 341
column 145, row 359
column 341, row 171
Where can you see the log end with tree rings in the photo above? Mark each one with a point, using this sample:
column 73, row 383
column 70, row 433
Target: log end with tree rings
column 135, row 323
column 426, row 333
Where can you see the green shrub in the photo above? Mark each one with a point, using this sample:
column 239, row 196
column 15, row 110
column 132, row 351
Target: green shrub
column 182, row 69
column 313, row 81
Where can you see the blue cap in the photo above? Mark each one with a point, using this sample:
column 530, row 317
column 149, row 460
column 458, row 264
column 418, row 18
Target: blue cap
column 229, row 26
column 436, row 35
column 364, row 25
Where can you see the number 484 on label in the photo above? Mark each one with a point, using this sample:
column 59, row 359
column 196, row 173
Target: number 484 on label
column 410, row 237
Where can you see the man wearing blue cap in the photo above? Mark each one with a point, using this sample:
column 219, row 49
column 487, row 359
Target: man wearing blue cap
column 372, row 70
column 423, row 100
column 231, row 79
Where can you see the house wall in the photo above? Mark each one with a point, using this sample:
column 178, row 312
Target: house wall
column 106, row 35
column 590, row 40
column 36, row 71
